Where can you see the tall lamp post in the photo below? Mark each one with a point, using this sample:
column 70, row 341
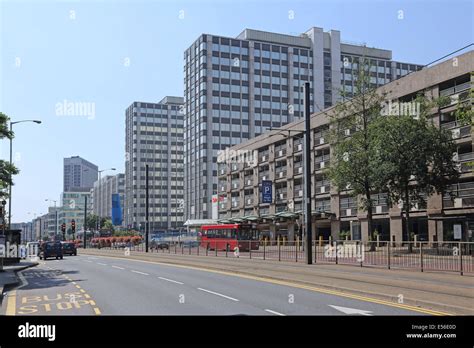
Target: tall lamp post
column 100, row 194
column 11, row 162
column 56, row 211
column 307, row 170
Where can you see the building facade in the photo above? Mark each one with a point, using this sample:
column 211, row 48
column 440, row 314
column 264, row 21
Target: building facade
column 102, row 192
column 72, row 208
column 278, row 157
column 79, row 174
column 154, row 136
column 236, row 88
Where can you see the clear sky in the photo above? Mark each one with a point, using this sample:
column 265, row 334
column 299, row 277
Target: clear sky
column 112, row 53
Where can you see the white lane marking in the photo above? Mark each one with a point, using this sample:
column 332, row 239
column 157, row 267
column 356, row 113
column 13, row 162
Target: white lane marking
column 171, row 280
column 273, row 312
column 93, row 258
column 350, row 311
column 139, row 272
column 216, row 293
column 117, row 267
column 102, row 264
column 87, row 261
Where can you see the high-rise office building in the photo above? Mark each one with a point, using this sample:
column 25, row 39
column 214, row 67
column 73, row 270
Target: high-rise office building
column 102, row 194
column 154, row 136
column 236, row 88
column 79, row 174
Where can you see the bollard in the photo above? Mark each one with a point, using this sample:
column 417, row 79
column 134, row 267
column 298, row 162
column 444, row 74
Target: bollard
column 226, row 249
column 215, row 247
column 207, row 249
column 250, row 249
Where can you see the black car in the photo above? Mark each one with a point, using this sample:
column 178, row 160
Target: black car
column 51, row 249
column 162, row 245
column 69, row 249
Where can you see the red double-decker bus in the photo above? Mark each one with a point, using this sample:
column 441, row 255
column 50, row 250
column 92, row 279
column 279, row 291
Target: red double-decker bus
column 243, row 236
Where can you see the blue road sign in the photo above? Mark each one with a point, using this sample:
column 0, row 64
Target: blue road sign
column 267, row 193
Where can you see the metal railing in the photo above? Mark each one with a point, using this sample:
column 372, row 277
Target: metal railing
column 421, row 256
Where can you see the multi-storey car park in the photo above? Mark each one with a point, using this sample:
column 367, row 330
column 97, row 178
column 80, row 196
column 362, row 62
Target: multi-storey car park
column 279, row 158
column 235, row 88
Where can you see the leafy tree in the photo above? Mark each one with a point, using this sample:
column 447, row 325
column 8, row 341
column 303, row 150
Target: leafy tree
column 416, row 158
column 108, row 224
column 7, row 170
column 355, row 163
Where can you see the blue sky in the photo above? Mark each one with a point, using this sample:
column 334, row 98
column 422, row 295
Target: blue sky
column 50, row 54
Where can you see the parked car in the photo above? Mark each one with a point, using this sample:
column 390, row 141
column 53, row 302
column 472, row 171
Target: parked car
column 69, row 248
column 51, row 249
column 162, row 245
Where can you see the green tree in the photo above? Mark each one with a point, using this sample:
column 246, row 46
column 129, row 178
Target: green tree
column 6, row 169
column 108, row 224
column 355, row 163
column 416, row 158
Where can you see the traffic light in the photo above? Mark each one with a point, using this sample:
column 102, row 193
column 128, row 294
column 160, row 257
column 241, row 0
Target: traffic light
column 63, row 227
column 73, row 226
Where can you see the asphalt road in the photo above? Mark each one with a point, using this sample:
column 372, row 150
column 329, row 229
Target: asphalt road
column 91, row 285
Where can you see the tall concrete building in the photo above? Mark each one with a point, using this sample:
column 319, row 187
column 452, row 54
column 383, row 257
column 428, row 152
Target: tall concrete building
column 280, row 160
column 102, row 193
column 79, row 174
column 154, row 136
column 235, row 88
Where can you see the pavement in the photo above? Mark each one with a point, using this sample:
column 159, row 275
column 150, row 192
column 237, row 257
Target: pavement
column 109, row 283
column 8, row 276
column 446, row 292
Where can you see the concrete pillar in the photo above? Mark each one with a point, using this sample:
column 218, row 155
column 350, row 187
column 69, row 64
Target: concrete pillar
column 396, row 229
column 335, row 229
column 291, row 230
column 364, row 230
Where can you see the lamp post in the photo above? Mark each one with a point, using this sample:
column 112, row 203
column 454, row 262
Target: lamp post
column 100, row 194
column 11, row 162
column 307, row 169
column 56, row 211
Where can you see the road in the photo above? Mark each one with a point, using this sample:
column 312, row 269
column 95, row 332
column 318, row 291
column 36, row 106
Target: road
column 93, row 285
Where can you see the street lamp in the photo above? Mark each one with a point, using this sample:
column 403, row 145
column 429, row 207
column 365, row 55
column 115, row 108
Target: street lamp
column 100, row 194
column 56, row 211
column 11, row 162
column 307, row 169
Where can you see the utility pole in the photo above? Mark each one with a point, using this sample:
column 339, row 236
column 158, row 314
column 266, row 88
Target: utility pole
column 146, row 209
column 307, row 180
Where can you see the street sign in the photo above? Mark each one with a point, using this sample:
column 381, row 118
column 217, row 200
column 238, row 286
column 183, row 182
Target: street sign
column 267, row 193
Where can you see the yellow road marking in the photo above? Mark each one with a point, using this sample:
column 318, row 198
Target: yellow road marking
column 11, row 303
column 82, row 290
column 77, row 286
column 96, row 311
column 295, row 285
column 74, row 283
